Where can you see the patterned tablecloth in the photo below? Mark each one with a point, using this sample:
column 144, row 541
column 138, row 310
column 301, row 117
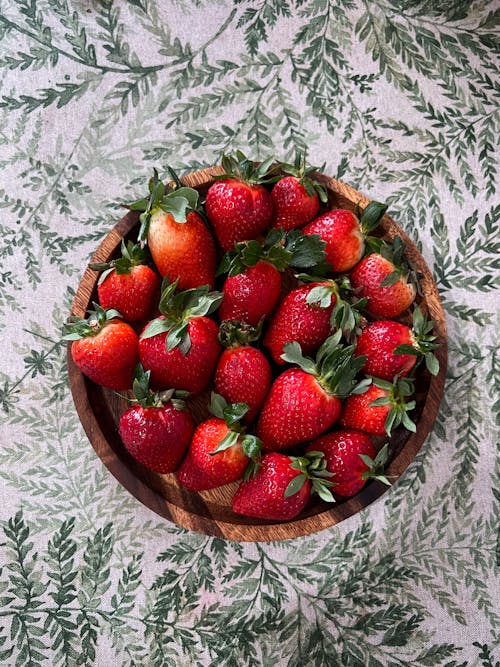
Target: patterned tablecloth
column 400, row 99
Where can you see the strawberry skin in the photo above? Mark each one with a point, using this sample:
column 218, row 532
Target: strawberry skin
column 251, row 295
column 296, row 320
column 184, row 251
column 157, row 437
column 359, row 414
column 243, row 375
column 341, row 231
column 203, row 470
column 263, row 496
column 296, row 409
column 383, row 301
column 342, row 450
column 378, row 342
column 293, row 207
column 132, row 294
column 109, row 357
column 238, row 211
column 191, row 372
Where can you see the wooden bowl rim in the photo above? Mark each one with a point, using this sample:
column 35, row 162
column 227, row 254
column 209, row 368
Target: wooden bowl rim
column 268, row 531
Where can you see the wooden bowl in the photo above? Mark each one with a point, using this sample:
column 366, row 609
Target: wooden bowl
column 210, row 512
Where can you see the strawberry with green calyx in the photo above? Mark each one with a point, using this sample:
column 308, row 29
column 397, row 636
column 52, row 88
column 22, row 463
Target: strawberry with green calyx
column 347, row 313
column 104, row 347
column 346, row 234
column 127, row 283
column 392, row 348
column 221, row 451
column 253, row 286
column 304, row 402
column 156, row 429
column 237, row 205
column 351, row 459
column 181, row 347
column 243, row 374
column 180, row 243
column 386, row 279
column 282, row 486
column 381, row 408
column 297, row 196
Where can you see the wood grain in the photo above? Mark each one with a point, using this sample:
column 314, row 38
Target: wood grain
column 210, row 512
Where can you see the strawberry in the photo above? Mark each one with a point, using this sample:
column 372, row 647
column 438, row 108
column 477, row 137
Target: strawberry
column 243, row 374
column 237, row 205
column 383, row 278
column 156, row 430
column 392, row 348
column 282, row 487
column 220, row 451
column 344, row 234
column 180, row 347
column 298, row 320
column 296, row 197
column 253, row 286
column 104, row 347
column 380, row 408
column 127, row 284
column 303, row 402
column 181, row 245
column 350, row 457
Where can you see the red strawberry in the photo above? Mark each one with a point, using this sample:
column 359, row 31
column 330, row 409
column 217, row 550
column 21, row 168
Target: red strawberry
column 181, row 245
column 220, row 451
column 297, row 319
column 104, row 348
column 254, row 284
column 350, row 457
column 303, row 402
column 281, row 487
column 237, row 205
column 181, row 347
column 296, row 197
column 380, row 408
column 243, row 374
column 344, row 234
column 156, row 430
column 251, row 295
column 384, row 283
column 127, row 284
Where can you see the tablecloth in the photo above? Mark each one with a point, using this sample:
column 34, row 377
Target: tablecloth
column 399, row 98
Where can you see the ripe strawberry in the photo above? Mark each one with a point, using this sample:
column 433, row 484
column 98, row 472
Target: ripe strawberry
column 181, row 245
column 156, row 430
column 237, row 205
column 127, row 284
column 180, row 347
column 254, row 284
column 380, row 408
column 104, row 348
column 344, row 234
column 303, row 402
column 282, row 487
column 350, row 457
column 243, row 374
column 296, row 197
column 298, row 320
column 393, row 349
column 384, row 282
column 220, row 451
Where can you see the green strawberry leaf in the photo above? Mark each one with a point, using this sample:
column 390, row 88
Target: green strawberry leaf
column 155, row 327
column 252, row 446
column 362, row 385
column 308, row 250
column 178, row 336
column 372, row 216
column 391, row 279
column 292, row 353
column 229, row 440
column 234, row 413
column 406, row 349
column 432, row 363
column 217, row 405
column 322, row 490
column 295, row 485
column 320, row 296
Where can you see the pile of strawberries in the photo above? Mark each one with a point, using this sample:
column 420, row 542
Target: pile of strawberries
column 317, row 289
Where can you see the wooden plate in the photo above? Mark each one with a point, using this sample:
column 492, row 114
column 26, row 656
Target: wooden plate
column 210, row 512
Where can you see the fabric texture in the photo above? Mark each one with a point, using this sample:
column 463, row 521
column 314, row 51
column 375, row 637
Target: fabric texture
column 398, row 98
